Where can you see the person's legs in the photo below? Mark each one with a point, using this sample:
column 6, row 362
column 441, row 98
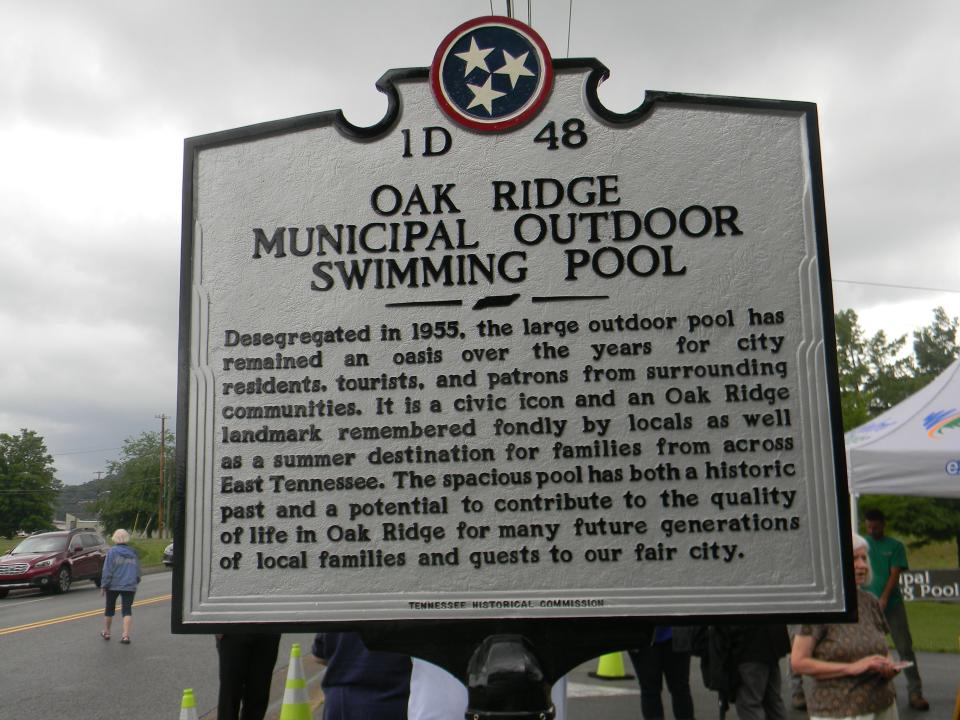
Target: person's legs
column 772, row 702
column 648, row 664
column 676, row 670
column 751, row 690
column 260, row 664
column 232, row 652
column 109, row 610
column 902, row 640
column 126, row 610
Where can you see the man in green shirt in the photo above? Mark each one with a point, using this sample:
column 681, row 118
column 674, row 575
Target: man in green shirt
column 888, row 558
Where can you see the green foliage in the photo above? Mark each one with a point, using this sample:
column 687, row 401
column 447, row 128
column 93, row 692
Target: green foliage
column 131, row 495
column 852, row 369
column 149, row 550
column 916, row 516
column 874, row 375
column 923, row 518
column 935, row 346
column 28, row 485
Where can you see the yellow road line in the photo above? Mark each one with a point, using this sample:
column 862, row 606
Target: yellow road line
column 76, row 616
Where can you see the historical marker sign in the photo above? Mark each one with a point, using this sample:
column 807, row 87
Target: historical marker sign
column 509, row 354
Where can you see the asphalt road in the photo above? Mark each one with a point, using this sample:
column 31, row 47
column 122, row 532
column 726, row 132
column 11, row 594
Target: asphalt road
column 55, row 665
column 590, row 699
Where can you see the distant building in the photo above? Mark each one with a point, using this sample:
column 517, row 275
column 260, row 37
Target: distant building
column 72, row 522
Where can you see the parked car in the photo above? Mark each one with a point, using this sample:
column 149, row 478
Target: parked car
column 168, row 555
column 53, row 561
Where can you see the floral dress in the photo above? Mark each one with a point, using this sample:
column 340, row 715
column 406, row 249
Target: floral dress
column 860, row 695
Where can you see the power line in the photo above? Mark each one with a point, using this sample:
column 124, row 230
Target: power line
column 81, row 452
column 27, row 492
column 892, row 285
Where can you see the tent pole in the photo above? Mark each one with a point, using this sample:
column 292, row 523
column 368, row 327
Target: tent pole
column 854, row 524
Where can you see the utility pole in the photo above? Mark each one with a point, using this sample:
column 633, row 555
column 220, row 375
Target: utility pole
column 163, row 454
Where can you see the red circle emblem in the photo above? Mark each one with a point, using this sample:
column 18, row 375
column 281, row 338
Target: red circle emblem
column 491, row 74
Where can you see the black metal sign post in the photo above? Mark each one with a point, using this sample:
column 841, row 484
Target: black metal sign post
column 509, row 666
column 505, row 680
column 507, row 378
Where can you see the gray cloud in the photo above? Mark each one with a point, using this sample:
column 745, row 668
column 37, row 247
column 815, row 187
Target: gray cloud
column 96, row 98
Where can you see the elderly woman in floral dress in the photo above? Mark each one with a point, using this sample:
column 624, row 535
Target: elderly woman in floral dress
column 850, row 664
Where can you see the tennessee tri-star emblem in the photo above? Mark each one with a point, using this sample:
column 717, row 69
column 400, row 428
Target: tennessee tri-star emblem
column 492, row 74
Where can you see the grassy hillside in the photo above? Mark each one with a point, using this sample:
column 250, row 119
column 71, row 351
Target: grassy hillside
column 935, row 626
column 150, row 550
column 935, row 556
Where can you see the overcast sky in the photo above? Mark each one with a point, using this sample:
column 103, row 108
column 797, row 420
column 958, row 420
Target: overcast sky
column 96, row 98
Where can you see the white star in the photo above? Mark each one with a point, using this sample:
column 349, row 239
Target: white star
column 474, row 57
column 514, row 67
column 484, row 95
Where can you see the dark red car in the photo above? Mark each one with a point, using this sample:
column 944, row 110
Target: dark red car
column 53, row 561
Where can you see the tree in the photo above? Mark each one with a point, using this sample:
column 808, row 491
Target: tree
column 132, row 484
column 28, row 485
column 851, row 369
column 922, row 518
column 873, row 375
column 935, row 346
column 872, row 379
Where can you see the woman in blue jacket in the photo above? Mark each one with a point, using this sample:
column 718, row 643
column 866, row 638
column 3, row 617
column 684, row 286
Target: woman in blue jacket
column 120, row 576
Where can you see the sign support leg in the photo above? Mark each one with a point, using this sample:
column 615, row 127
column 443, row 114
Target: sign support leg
column 505, row 681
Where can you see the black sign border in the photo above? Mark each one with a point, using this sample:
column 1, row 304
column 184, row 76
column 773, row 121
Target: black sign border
column 565, row 639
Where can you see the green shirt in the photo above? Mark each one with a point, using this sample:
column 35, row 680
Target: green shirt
column 885, row 555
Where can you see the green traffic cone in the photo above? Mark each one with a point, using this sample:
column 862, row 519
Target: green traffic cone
column 296, row 702
column 610, row 667
column 188, row 706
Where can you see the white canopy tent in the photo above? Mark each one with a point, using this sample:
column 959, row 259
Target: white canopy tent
column 914, row 447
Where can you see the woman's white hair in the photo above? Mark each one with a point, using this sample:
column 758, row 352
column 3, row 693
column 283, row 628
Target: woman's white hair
column 121, row 536
column 859, row 541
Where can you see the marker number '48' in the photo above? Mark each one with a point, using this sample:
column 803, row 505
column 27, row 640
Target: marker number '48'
column 573, row 135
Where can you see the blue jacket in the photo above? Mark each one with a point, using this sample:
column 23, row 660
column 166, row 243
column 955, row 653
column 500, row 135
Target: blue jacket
column 360, row 684
column 121, row 569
